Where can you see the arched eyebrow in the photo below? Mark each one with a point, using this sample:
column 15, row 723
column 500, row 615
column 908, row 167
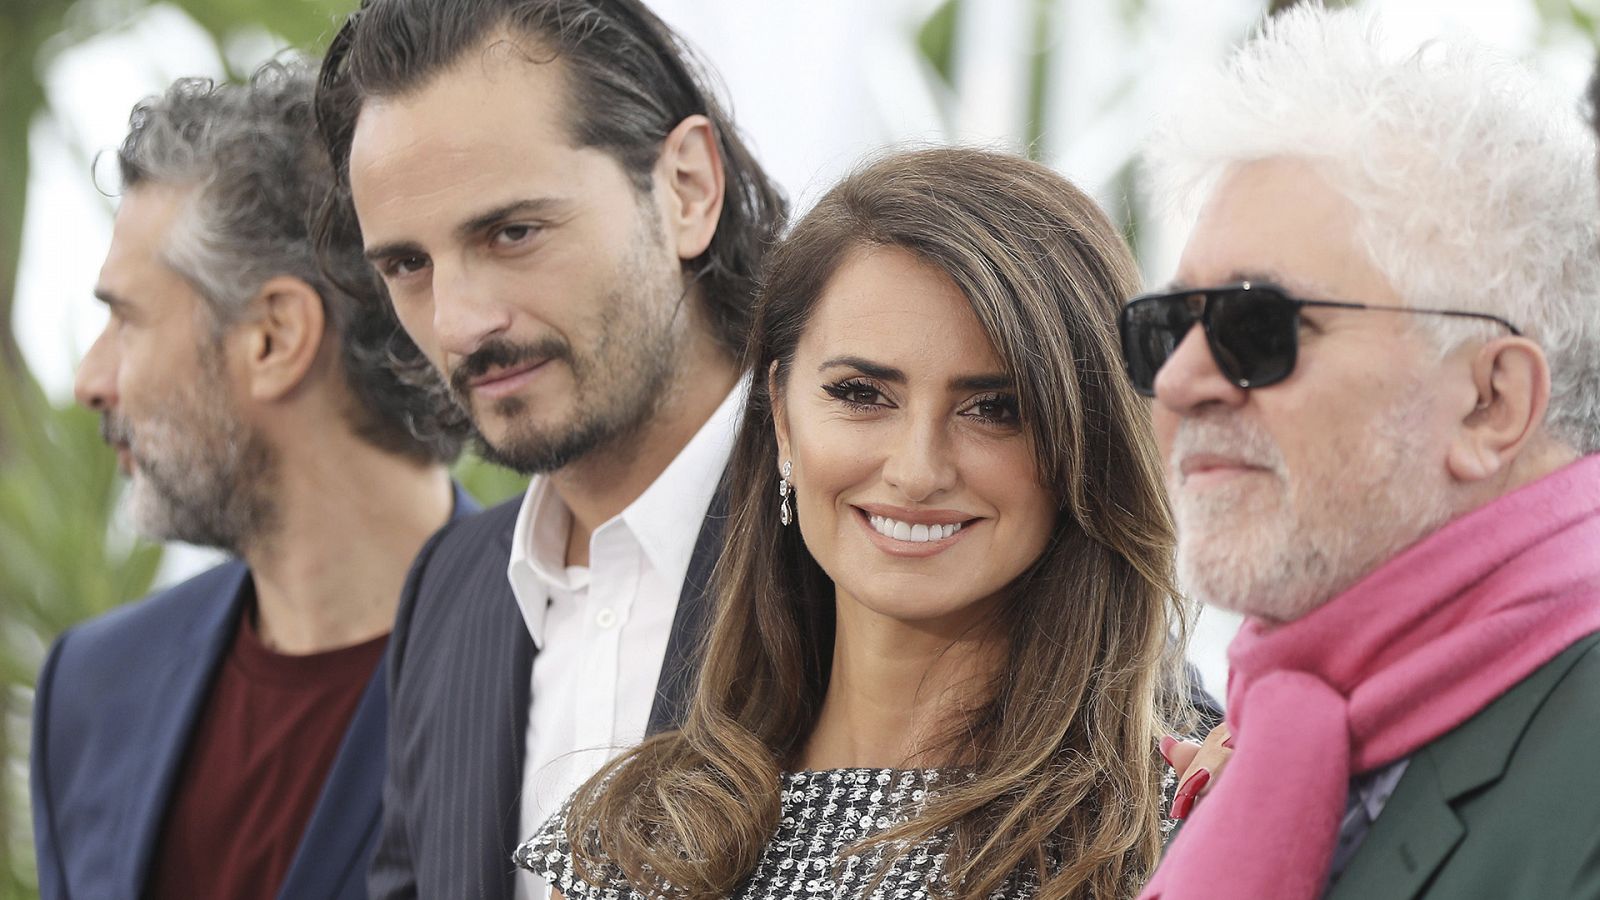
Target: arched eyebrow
column 988, row 381
column 866, row 367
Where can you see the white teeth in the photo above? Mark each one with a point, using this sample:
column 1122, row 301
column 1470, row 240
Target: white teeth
column 914, row 534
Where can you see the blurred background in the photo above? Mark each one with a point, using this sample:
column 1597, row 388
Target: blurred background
column 814, row 85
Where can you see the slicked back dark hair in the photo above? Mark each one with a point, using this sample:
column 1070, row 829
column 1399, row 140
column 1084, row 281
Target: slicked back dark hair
column 630, row 81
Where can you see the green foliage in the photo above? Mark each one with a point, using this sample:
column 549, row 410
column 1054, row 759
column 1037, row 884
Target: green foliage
column 59, row 564
column 936, row 39
column 1582, row 16
column 488, row 483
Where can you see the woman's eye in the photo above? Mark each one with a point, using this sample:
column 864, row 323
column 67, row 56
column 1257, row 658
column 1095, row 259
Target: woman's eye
column 1000, row 409
column 855, row 394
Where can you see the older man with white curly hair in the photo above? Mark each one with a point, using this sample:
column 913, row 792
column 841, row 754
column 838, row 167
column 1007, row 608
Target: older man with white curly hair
column 1376, row 381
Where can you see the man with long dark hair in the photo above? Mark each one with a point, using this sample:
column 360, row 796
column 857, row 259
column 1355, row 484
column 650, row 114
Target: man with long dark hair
column 571, row 229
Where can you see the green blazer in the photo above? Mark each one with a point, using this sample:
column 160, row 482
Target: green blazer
column 1505, row 807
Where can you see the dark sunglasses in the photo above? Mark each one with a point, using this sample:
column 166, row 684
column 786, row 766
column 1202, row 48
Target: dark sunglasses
column 1253, row 330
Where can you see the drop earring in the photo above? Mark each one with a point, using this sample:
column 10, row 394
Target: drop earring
column 785, row 486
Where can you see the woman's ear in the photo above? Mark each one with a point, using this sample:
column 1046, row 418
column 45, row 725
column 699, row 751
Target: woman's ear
column 780, row 413
column 1511, row 380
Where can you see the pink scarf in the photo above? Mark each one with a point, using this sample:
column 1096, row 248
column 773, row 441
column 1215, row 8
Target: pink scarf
column 1416, row 648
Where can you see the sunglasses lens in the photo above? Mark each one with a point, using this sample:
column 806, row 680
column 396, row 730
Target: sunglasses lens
column 1253, row 335
column 1152, row 328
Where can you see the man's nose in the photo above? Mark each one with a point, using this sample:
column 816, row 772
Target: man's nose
column 95, row 385
column 465, row 311
column 1191, row 379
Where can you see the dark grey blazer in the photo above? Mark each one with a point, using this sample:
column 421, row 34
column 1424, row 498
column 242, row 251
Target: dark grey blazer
column 459, row 664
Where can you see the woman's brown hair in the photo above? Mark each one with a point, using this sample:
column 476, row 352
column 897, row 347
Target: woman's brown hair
column 1064, row 775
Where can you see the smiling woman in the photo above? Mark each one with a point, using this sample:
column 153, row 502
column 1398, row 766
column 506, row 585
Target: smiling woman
column 937, row 673
column 900, row 420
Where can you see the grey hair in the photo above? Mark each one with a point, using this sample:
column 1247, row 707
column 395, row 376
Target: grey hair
column 251, row 156
column 1473, row 180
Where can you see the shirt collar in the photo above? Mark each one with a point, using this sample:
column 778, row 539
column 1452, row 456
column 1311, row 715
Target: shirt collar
column 659, row 519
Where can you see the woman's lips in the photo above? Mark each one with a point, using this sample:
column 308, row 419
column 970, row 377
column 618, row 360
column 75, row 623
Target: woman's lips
column 926, row 520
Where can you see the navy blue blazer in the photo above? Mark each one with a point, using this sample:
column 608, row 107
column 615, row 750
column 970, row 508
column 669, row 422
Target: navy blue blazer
column 459, row 661
column 114, row 708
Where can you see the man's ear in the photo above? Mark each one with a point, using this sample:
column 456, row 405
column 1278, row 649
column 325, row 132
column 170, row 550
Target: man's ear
column 278, row 348
column 1511, row 380
column 780, row 415
column 689, row 172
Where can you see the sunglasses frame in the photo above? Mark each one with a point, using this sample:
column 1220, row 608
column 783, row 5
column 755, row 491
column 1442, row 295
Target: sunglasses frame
column 1269, row 293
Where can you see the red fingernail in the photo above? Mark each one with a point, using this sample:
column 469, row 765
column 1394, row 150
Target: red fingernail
column 1228, row 744
column 1183, row 802
column 1166, row 744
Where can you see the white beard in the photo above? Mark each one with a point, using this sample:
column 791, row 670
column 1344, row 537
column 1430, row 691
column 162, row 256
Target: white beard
column 1277, row 545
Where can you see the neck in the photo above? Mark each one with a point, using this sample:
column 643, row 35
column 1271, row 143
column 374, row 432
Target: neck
column 898, row 689
column 350, row 520
column 602, row 484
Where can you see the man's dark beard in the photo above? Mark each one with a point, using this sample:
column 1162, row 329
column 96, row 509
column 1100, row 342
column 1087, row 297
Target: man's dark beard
column 531, row 452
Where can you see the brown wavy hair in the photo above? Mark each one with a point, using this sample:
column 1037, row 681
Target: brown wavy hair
column 1065, row 780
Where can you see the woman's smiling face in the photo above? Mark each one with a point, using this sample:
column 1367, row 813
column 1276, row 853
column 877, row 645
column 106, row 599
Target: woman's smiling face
column 916, row 488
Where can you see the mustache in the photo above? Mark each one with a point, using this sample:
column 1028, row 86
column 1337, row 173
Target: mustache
column 500, row 353
column 1234, row 438
column 114, row 430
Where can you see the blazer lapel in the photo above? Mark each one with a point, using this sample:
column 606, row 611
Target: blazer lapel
column 1419, row 827
column 508, row 732
column 183, row 688
column 1415, row 834
column 333, row 851
column 689, row 624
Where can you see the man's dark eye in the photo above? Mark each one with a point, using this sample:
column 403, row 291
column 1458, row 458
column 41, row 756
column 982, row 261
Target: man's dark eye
column 402, row 266
column 514, row 234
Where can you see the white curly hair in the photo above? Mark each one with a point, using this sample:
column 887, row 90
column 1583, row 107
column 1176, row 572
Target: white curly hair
column 1474, row 179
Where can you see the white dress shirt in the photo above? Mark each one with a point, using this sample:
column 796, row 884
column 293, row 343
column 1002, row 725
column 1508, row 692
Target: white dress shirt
column 601, row 630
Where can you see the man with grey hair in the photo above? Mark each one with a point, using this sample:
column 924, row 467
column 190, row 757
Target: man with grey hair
column 1376, row 381
column 225, row 738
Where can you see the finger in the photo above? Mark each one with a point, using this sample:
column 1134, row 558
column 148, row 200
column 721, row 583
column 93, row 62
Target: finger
column 1212, row 757
column 1177, row 753
column 1211, row 760
column 1192, row 787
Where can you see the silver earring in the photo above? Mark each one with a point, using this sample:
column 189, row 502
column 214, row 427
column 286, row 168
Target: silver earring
column 785, row 486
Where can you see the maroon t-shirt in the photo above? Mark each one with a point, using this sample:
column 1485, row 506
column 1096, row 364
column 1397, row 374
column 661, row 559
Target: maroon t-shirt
column 255, row 767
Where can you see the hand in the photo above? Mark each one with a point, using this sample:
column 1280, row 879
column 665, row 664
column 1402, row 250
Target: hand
column 1198, row 766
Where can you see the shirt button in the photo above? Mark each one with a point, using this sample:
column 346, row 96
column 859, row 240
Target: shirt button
column 605, row 618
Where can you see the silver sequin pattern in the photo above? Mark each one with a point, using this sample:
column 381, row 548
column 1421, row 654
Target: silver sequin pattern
column 823, row 814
